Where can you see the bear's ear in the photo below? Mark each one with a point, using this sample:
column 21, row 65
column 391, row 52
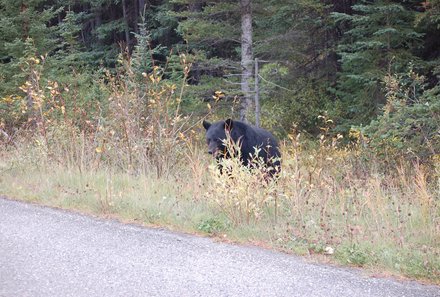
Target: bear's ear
column 206, row 125
column 229, row 124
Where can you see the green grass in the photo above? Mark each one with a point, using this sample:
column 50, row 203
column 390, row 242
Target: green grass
column 144, row 199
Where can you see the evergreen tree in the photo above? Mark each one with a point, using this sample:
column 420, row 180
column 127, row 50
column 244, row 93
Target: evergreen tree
column 23, row 25
column 381, row 38
column 298, row 40
column 212, row 31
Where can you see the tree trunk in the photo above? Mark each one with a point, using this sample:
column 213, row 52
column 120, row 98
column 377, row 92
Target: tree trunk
column 25, row 36
column 25, row 24
column 136, row 17
column 141, row 7
column 127, row 32
column 246, row 58
column 95, row 23
column 257, row 96
column 195, row 6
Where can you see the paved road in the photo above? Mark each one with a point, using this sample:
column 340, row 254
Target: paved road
column 47, row 252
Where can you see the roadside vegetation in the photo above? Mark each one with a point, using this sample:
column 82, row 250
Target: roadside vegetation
column 135, row 156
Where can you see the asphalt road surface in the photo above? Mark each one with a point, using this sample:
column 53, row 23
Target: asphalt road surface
column 48, row 252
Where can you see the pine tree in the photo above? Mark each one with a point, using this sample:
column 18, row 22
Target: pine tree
column 224, row 59
column 380, row 39
column 23, row 24
column 298, row 40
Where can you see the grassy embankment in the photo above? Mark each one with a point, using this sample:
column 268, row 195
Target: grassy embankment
column 138, row 159
column 325, row 199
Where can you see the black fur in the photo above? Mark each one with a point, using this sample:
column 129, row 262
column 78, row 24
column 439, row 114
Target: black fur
column 248, row 138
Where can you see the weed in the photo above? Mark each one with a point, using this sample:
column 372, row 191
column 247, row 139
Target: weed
column 353, row 254
column 212, row 226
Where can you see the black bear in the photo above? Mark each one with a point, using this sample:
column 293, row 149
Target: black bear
column 249, row 138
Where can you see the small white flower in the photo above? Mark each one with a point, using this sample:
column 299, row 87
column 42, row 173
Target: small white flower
column 329, row 250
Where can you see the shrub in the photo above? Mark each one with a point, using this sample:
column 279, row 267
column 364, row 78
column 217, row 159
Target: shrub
column 410, row 123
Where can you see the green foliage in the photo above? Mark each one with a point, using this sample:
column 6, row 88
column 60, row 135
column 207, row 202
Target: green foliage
column 380, row 38
column 24, row 28
column 294, row 84
column 410, row 123
column 142, row 60
column 216, row 22
column 283, row 29
column 287, row 105
column 106, row 31
column 432, row 15
column 212, row 226
column 70, row 29
column 353, row 254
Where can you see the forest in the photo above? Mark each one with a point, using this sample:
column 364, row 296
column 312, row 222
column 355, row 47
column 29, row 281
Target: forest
column 102, row 103
column 369, row 66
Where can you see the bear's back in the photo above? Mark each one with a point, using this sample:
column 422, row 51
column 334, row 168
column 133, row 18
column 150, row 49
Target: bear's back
column 255, row 137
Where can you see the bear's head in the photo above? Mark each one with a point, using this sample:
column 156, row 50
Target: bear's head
column 216, row 135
